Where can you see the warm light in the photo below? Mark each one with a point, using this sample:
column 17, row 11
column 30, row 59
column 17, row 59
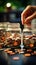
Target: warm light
column 8, row 5
column 27, row 54
column 15, row 43
column 31, row 45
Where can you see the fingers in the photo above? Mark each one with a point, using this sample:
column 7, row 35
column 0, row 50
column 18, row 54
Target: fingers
column 27, row 9
column 28, row 14
column 24, row 14
column 28, row 19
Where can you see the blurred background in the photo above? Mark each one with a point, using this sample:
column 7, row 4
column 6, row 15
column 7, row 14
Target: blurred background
column 17, row 4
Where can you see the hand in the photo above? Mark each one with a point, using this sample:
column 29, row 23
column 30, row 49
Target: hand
column 28, row 14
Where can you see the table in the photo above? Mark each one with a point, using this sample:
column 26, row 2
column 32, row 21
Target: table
column 22, row 60
column 8, row 59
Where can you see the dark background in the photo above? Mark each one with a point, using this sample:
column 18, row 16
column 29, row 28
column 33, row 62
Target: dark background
column 17, row 3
